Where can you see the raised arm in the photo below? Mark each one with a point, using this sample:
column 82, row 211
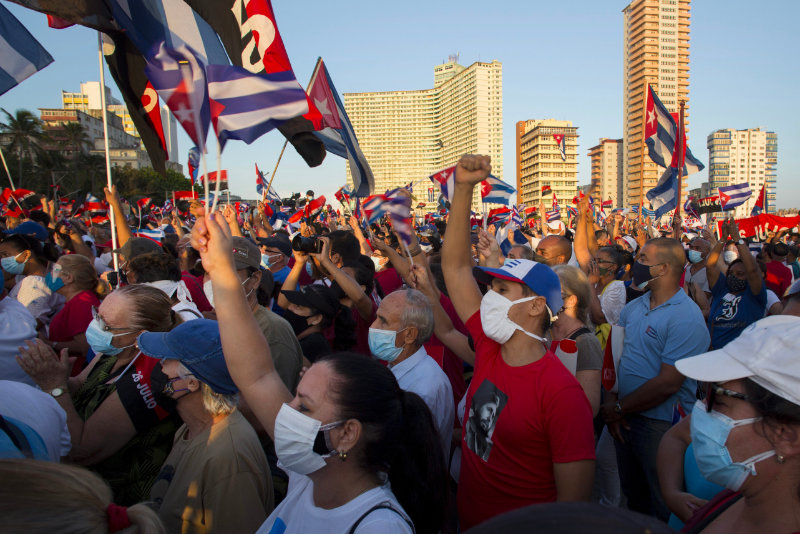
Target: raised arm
column 712, row 269
column 247, row 353
column 361, row 300
column 753, row 272
column 290, row 284
column 233, row 224
column 362, row 241
column 123, row 230
column 581, row 244
column 456, row 258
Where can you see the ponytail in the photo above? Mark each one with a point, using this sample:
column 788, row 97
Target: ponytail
column 399, row 436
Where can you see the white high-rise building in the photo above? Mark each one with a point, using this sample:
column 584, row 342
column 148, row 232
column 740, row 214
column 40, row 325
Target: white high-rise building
column 408, row 135
column 739, row 156
column 607, row 166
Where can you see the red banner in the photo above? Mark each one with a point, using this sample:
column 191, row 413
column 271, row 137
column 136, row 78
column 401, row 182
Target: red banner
column 761, row 224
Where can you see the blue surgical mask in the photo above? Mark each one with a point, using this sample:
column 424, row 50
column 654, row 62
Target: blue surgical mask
column 100, row 340
column 265, row 263
column 695, row 256
column 710, row 431
column 381, row 344
column 11, row 265
column 309, row 269
column 53, row 284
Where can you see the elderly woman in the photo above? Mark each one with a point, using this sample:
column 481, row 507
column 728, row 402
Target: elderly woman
column 118, row 428
column 746, row 434
column 215, row 479
column 358, row 448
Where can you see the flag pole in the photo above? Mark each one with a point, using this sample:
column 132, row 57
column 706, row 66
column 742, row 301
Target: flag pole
column 286, row 142
column 112, row 218
column 644, row 128
column 681, row 155
column 10, row 180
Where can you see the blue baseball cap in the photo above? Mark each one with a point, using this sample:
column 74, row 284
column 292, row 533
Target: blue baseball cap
column 539, row 277
column 32, row 229
column 196, row 344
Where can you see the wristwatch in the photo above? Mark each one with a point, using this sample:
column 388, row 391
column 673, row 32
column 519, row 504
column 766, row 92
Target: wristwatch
column 618, row 408
column 57, row 392
column 741, row 242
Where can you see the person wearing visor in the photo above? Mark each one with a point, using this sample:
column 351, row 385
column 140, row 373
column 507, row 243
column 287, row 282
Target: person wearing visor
column 316, row 305
column 216, row 478
column 355, row 445
column 118, row 427
column 746, row 434
column 528, row 435
column 661, row 327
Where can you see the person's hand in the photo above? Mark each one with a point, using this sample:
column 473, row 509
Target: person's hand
column 641, row 236
column 111, row 195
column 683, row 504
column 230, row 214
column 708, row 236
column 594, row 273
column 324, row 257
column 41, row 362
column 472, row 169
column 733, row 228
column 212, row 239
column 418, row 279
column 583, row 205
column 487, row 245
column 615, row 429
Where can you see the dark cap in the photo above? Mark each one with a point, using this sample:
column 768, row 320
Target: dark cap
column 245, row 253
column 197, row 345
column 136, row 246
column 279, row 241
column 779, row 249
column 31, row 229
column 315, row 296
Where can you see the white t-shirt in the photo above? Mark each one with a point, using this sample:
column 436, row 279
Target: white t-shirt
column 772, row 299
column 41, row 412
column 16, row 325
column 33, row 293
column 612, row 300
column 700, row 278
column 298, row 514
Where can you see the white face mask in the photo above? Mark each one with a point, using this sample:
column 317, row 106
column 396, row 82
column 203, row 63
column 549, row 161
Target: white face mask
column 494, row 317
column 209, row 291
column 296, row 437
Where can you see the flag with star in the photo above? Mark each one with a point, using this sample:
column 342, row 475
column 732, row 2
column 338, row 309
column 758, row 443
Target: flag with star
column 562, row 145
column 661, row 133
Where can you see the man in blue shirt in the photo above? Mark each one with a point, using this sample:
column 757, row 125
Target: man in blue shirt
column 661, row 327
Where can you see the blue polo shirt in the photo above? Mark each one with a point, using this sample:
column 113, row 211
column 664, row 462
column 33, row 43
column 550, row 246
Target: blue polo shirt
column 674, row 330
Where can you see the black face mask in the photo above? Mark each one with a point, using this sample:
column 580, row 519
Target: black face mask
column 298, row 322
column 158, row 381
column 735, row 285
column 640, row 274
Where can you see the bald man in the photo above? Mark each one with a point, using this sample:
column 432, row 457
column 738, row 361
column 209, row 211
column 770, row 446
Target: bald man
column 555, row 249
column 661, row 327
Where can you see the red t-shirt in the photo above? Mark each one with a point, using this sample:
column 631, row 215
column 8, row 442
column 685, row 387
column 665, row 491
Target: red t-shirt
column 195, row 287
column 389, row 280
column 518, row 422
column 779, row 277
column 74, row 317
column 362, row 329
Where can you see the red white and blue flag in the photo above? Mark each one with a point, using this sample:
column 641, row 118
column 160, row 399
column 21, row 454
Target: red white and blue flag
column 498, row 215
column 553, row 215
column 194, row 164
column 761, row 203
column 661, row 134
column 562, row 145
column 260, row 181
column 494, row 190
column 445, row 179
column 731, row 196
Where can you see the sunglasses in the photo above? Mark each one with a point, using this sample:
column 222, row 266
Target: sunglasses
column 715, row 389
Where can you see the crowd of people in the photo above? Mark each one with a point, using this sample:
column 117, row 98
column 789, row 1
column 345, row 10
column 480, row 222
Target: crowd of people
column 237, row 374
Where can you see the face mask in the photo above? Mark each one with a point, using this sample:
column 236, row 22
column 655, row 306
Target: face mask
column 695, row 256
column 425, row 248
column 265, row 261
column 309, row 270
column 381, row 344
column 640, row 274
column 301, row 442
column 377, row 261
column 729, row 256
column 298, row 323
column 158, row 385
column 11, row 266
column 53, row 284
column 735, row 285
column 100, row 340
column 710, row 431
column 494, row 317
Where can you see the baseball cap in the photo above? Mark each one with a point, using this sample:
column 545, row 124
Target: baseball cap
column 196, row 344
column 537, row 276
column 316, row 296
column 765, row 352
column 631, row 242
column 780, row 249
column 555, row 225
column 245, row 253
column 279, row 241
column 136, row 246
column 30, row 228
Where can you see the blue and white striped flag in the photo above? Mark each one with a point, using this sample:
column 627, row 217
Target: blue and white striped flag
column 735, row 195
column 20, row 54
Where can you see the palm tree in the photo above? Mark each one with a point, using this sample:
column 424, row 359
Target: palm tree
column 25, row 131
column 73, row 137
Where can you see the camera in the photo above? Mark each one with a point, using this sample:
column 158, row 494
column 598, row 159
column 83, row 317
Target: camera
column 309, row 245
column 116, row 278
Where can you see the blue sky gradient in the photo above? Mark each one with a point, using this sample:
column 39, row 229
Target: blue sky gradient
column 561, row 60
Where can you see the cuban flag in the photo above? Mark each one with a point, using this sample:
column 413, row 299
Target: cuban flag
column 731, row 196
column 664, row 196
column 179, row 78
column 154, row 235
column 660, row 134
column 498, row 215
column 194, row 163
column 562, row 145
column 690, row 208
column 508, row 236
column 516, row 218
column 260, row 181
column 496, row 191
column 167, row 207
column 761, row 204
column 648, row 212
column 245, row 105
column 555, row 203
column 553, row 215
column 144, row 203
column 20, row 54
column 571, row 212
column 601, row 216
column 343, row 193
column 337, row 133
column 399, row 210
column 445, row 179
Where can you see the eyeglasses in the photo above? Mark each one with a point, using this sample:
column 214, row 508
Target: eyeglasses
column 715, row 389
column 105, row 327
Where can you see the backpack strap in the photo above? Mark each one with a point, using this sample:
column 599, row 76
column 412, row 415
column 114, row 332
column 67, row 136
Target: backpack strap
column 17, row 437
column 579, row 332
column 382, row 506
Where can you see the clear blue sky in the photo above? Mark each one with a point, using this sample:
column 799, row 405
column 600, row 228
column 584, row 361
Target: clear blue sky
column 560, row 60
